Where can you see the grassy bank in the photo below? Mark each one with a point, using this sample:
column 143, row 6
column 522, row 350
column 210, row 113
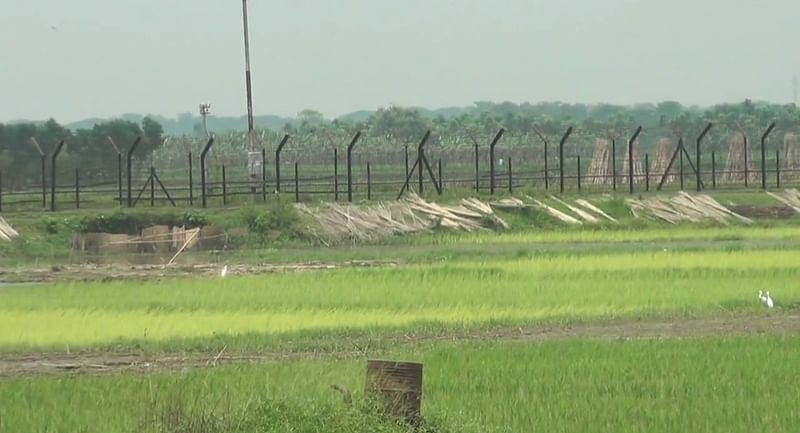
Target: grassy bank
column 710, row 385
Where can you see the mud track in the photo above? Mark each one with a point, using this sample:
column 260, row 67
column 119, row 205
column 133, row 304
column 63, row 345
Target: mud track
column 93, row 362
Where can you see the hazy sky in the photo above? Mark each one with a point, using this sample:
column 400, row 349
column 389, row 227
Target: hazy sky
column 85, row 58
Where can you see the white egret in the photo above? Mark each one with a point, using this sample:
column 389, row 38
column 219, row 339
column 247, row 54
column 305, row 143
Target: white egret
column 224, row 271
column 770, row 302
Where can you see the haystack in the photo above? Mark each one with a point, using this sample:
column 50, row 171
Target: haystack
column 791, row 156
column 600, row 170
column 737, row 155
column 7, row 233
column 664, row 151
column 638, row 168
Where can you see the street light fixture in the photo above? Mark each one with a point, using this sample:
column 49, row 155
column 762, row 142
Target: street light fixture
column 205, row 110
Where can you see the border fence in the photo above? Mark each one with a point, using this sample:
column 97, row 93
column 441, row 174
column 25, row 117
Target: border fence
column 362, row 172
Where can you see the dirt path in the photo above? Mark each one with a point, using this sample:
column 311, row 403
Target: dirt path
column 20, row 365
column 148, row 272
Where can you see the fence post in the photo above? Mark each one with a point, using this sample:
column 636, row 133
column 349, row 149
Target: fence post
column 77, row 189
column 746, row 171
column 369, row 182
column 263, row 174
column 203, row 155
column 224, row 188
column 778, row 169
column 335, row 174
column 713, row 170
column 278, row 162
column 296, row 182
column 53, row 175
column 350, row 165
column 191, row 182
column 439, row 169
column 152, row 186
column 406, row 153
column 477, row 171
column 119, row 169
column 129, row 160
column 579, row 174
column 697, row 155
column 763, row 155
column 510, row 178
column 44, row 181
column 1, row 191
column 119, row 178
column 680, row 146
column 630, row 158
column 43, row 160
column 491, row 158
column 613, row 164
column 561, row 158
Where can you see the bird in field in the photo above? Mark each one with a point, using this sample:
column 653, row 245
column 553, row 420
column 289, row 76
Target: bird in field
column 766, row 299
column 224, row 271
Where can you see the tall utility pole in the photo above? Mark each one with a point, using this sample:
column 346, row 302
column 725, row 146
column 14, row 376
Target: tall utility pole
column 250, row 127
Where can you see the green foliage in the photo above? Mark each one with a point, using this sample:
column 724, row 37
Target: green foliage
column 277, row 221
column 121, row 221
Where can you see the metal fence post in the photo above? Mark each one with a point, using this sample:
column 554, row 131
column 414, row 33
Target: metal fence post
column 43, row 161
column 579, row 174
column 53, row 175
column 763, row 155
column 44, row 181
column 561, row 157
column 296, row 182
column 119, row 169
column 492, row 145
column 630, row 158
column 477, row 170
column 697, row 155
column 129, row 158
column 746, row 171
column 263, row 174
column 613, row 164
column 406, row 154
column 335, row 174
column 439, row 169
column 203, row 155
column 713, row 170
column 510, row 178
column 369, row 182
column 680, row 146
column 191, row 182
column 77, row 189
column 152, row 186
column 224, row 187
column 278, row 162
column 777, row 168
column 350, row 165
column 647, row 172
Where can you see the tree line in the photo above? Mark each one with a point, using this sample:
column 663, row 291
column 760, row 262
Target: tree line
column 23, row 144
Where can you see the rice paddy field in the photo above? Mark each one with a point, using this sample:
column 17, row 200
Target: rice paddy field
column 642, row 330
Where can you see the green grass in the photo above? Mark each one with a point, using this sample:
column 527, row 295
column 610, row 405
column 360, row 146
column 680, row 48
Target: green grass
column 257, row 311
column 710, row 385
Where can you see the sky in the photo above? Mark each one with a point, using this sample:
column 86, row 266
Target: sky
column 78, row 59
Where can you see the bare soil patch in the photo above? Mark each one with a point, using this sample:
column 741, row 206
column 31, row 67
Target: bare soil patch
column 113, row 272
